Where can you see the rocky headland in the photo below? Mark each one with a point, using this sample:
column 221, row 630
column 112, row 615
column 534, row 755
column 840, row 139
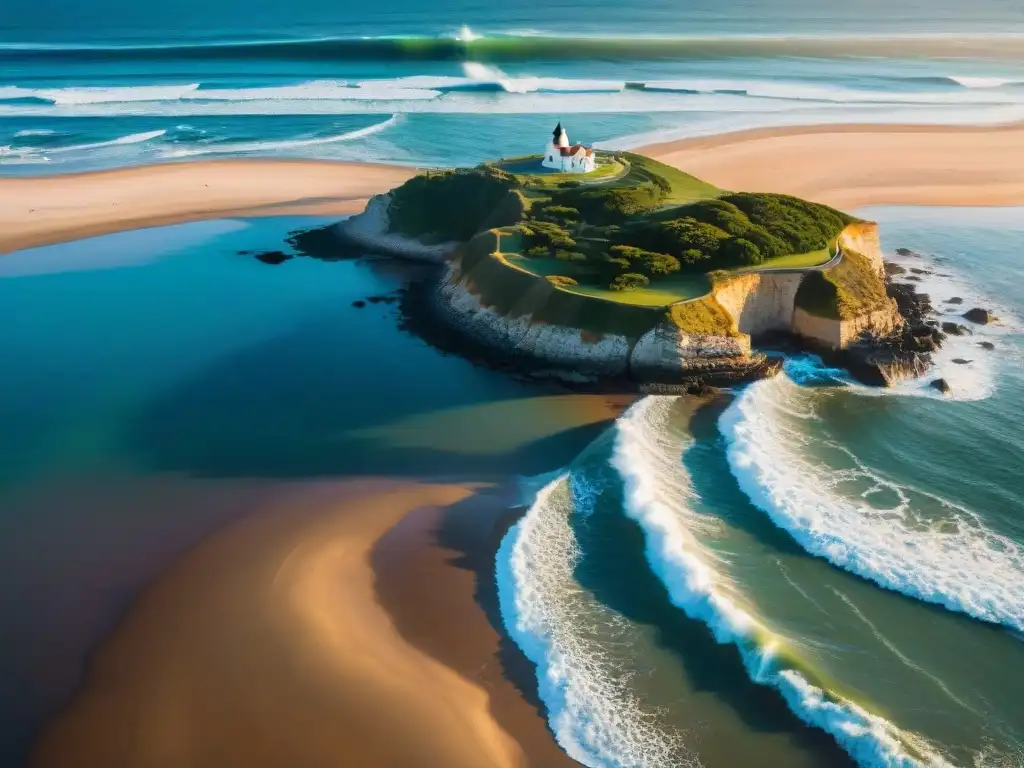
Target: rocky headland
column 483, row 304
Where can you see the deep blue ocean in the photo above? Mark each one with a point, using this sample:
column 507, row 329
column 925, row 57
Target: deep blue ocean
column 802, row 573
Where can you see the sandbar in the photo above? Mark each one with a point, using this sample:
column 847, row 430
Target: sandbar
column 267, row 645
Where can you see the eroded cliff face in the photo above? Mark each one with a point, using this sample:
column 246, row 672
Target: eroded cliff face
column 760, row 302
column 571, row 350
column 862, row 237
column 370, row 230
column 665, row 353
column 839, row 334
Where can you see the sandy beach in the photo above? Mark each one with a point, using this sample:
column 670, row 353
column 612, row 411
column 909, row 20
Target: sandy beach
column 845, row 166
column 267, row 646
column 52, row 209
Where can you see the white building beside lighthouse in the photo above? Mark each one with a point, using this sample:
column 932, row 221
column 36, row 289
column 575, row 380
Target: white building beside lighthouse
column 565, row 157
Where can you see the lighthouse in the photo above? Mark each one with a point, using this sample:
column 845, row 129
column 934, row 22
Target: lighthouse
column 562, row 156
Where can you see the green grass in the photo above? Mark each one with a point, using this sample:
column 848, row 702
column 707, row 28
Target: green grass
column 702, row 317
column 684, row 187
column 667, row 290
column 847, row 290
column 795, row 260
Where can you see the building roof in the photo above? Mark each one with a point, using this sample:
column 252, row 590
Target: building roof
column 575, row 149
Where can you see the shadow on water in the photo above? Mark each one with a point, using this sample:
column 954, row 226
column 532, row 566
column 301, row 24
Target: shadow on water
column 319, row 399
column 708, row 468
column 475, row 549
column 614, row 569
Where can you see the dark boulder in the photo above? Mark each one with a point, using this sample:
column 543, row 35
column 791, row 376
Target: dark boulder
column 274, row 257
column 955, row 329
column 979, row 316
column 955, row 300
column 894, row 269
column 961, row 361
column 918, row 271
column 358, row 304
column 906, row 252
column 986, row 345
column 942, row 385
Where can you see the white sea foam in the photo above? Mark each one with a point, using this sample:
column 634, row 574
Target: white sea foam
column 286, row 144
column 924, row 546
column 592, row 711
column 796, row 90
column 132, row 138
column 663, row 511
column 477, row 73
column 983, row 82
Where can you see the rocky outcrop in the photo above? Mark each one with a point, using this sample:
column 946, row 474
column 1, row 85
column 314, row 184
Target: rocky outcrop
column 370, row 230
column 979, row 316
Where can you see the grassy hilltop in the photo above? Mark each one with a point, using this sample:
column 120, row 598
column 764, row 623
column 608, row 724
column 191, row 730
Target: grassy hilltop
column 634, row 232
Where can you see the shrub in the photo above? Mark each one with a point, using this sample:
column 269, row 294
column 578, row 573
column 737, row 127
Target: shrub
column 608, row 205
column 451, row 205
column 645, row 262
column 629, row 281
column 559, row 213
column 538, row 251
column 742, row 253
column 561, row 281
column 571, row 256
column 548, row 234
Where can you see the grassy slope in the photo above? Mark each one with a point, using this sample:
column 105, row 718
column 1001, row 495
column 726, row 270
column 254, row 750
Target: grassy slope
column 847, row 290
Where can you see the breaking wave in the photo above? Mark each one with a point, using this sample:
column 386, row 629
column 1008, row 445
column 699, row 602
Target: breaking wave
column 275, row 146
column 467, row 45
column 658, row 494
column 592, row 711
column 900, row 537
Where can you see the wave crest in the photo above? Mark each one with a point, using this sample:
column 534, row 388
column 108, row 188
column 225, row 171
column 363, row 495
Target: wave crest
column 950, row 557
column 663, row 512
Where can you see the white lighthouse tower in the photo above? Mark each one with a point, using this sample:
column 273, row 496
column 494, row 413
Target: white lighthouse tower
column 565, row 157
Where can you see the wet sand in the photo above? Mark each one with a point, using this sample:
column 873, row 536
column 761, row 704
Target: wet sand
column 267, row 646
column 846, row 166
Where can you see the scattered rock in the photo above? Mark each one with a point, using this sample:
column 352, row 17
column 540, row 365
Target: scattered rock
column 955, row 300
column 979, row 316
column 917, row 271
column 894, row 269
column 942, row 385
column 955, row 329
column 906, row 252
column 986, row 345
column 358, row 304
column 274, row 257
column 961, row 361
column 915, row 278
